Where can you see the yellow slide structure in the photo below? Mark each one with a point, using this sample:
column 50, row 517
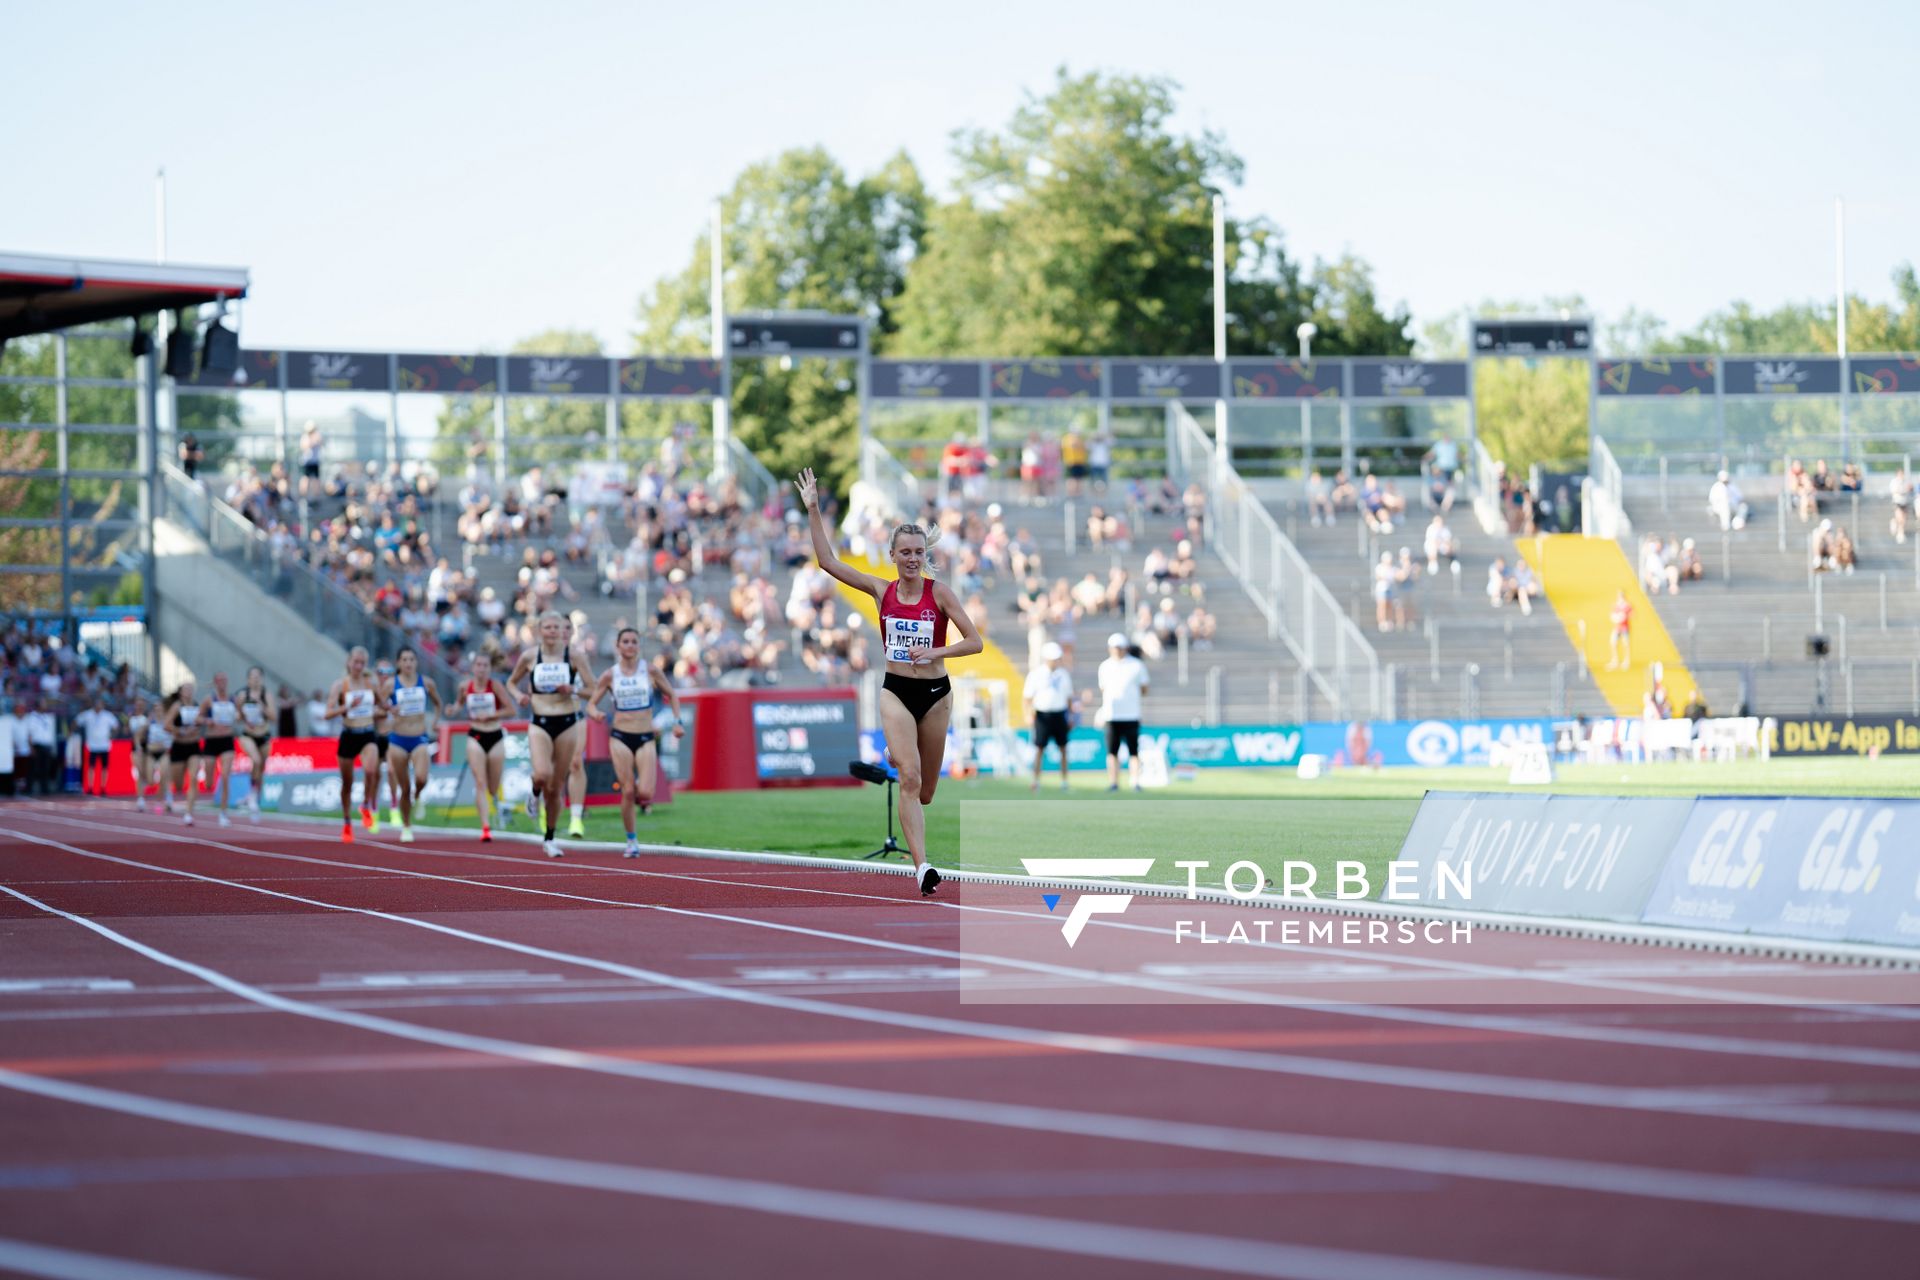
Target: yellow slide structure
column 1581, row 576
column 991, row 663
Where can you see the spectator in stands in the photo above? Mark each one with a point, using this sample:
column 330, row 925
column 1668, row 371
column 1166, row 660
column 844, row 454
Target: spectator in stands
column 1090, row 594
column 43, row 737
column 1023, row 554
column 1073, row 456
column 1822, row 479
column 1900, row 489
column 1499, row 582
column 1201, row 627
column 1852, row 478
column 191, row 455
column 1439, row 544
column 1184, row 569
column 1194, row 504
column 1373, row 506
column 1843, row 557
column 1526, row 588
column 1115, row 600
column 1163, row 499
column 318, row 725
column 1800, row 490
column 1620, row 634
column 1406, row 580
column 1696, row 708
column 1158, row 571
column 1100, row 526
column 1386, row 578
column 1658, row 704
column 1443, row 459
column 1031, row 478
column 1166, row 623
column 1689, row 564
column 1821, row 547
column 12, row 731
column 1343, row 496
column 1394, row 501
column 1319, row 499
column 1725, row 502
column 1658, row 567
column 1440, row 494
column 1100, row 458
column 287, row 723
column 953, row 465
column 312, row 444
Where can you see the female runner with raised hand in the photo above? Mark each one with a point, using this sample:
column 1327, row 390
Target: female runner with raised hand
column 556, row 733
column 354, row 701
column 259, row 711
column 485, row 699
column 408, row 738
column 916, row 698
column 630, row 738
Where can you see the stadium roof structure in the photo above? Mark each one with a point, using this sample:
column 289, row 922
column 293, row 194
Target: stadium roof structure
column 39, row 294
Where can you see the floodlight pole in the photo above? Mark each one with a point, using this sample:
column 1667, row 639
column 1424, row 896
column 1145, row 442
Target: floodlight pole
column 1840, row 308
column 717, row 302
column 1222, row 437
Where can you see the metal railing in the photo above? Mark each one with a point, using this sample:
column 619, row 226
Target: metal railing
column 1486, row 491
column 1606, row 494
column 324, row 604
column 897, row 486
column 1301, row 612
column 758, row 485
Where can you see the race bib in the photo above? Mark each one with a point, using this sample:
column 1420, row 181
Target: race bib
column 410, row 702
column 157, row 735
column 906, row 637
column 551, row 677
column 632, row 693
column 480, row 706
column 254, row 712
column 222, row 712
column 359, row 702
column 188, row 715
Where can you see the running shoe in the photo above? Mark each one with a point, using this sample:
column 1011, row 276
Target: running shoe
column 369, row 819
column 186, row 819
column 253, row 816
column 486, row 835
column 576, row 829
column 393, row 815
column 646, row 807
column 633, row 848
column 929, row 879
column 406, row 835
column 225, row 821
column 346, row 833
column 552, row 850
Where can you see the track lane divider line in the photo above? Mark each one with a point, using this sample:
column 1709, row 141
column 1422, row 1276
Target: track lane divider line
column 1075, row 1237
column 1772, row 1194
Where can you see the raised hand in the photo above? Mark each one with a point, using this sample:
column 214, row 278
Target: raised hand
column 809, row 489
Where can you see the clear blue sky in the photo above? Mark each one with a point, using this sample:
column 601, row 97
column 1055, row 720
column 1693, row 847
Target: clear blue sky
column 456, row 176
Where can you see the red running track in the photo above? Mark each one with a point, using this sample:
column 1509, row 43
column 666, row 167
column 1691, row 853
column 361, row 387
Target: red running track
column 256, row 1051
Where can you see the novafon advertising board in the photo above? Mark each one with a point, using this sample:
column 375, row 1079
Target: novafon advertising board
column 1591, row 857
column 1830, row 869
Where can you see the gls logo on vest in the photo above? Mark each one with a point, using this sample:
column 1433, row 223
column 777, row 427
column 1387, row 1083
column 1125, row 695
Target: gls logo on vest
column 1087, row 905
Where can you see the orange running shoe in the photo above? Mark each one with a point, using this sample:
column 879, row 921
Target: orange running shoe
column 346, row 833
column 486, row 835
column 367, row 819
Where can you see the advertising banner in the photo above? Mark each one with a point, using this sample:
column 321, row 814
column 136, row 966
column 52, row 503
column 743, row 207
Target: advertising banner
column 1593, row 857
column 1885, row 375
column 665, row 377
column 337, row 371
column 1844, row 735
column 1409, row 379
column 1666, row 376
column 1777, row 376
column 1045, row 379
column 804, row 737
column 558, row 375
column 1277, row 379
column 450, row 375
column 924, row 380
column 1827, row 869
column 1426, row 743
column 1165, row 379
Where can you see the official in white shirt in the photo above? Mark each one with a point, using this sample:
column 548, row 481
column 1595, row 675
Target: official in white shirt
column 96, row 725
column 42, row 740
column 1049, row 699
column 1123, row 682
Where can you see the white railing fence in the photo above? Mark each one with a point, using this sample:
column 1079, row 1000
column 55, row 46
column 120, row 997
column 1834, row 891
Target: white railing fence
column 1301, row 612
column 1606, row 514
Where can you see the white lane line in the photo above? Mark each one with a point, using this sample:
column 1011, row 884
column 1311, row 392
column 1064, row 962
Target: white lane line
column 1786, row 1104
column 70, row 1264
column 1176, row 1250
column 25, row 986
column 1697, row 1042
column 1645, row 1182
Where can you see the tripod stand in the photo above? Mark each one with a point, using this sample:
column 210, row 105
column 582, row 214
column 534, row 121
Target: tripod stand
column 883, row 776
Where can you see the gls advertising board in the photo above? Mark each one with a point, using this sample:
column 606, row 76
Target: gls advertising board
column 1821, row 869
column 1838, row 870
